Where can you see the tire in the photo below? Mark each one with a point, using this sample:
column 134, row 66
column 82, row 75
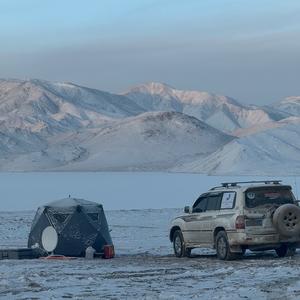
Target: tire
column 179, row 246
column 286, row 220
column 243, row 251
column 223, row 249
column 291, row 251
column 282, row 251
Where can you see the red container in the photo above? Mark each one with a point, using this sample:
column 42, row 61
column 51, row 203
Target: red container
column 109, row 251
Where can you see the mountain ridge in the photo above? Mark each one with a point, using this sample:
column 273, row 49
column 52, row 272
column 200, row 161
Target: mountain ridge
column 222, row 112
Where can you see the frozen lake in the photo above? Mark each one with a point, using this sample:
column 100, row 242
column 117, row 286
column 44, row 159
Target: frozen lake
column 26, row 191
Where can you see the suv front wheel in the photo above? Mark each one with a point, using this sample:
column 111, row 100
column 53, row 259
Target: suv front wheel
column 222, row 247
column 179, row 246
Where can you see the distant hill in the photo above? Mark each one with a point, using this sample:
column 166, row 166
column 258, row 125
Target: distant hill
column 290, row 105
column 150, row 141
column 273, row 151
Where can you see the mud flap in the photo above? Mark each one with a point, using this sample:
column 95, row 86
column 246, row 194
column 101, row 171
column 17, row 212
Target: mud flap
column 236, row 249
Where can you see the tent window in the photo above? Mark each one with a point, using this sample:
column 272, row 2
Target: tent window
column 61, row 218
column 94, row 216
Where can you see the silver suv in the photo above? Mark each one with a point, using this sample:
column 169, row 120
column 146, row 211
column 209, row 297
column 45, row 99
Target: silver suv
column 255, row 215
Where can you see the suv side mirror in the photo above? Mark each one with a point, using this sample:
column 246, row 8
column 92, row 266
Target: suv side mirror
column 187, row 209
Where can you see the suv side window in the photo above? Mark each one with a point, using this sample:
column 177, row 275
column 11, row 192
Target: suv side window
column 214, row 202
column 228, row 200
column 200, row 205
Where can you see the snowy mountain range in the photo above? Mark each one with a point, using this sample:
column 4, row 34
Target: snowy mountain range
column 63, row 126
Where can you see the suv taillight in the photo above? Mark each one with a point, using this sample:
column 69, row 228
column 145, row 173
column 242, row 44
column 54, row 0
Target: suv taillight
column 240, row 222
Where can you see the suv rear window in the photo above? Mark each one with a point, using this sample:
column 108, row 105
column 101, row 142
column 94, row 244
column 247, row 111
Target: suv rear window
column 268, row 195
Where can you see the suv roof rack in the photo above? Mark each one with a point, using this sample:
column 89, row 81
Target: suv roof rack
column 227, row 184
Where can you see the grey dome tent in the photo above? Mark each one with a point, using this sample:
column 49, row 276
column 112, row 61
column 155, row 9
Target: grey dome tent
column 78, row 223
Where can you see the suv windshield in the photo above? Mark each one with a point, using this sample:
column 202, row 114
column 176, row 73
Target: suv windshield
column 268, row 195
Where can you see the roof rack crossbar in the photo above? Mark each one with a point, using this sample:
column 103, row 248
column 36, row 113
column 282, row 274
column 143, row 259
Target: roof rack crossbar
column 226, row 184
column 215, row 187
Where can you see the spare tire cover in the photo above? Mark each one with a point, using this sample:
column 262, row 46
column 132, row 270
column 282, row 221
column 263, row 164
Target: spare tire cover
column 286, row 219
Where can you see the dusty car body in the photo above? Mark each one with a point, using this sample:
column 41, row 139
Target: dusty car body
column 238, row 216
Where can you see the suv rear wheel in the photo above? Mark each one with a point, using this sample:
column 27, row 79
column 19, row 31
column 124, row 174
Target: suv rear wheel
column 179, row 246
column 284, row 250
column 222, row 247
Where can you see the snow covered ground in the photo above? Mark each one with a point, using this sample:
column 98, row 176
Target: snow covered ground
column 144, row 267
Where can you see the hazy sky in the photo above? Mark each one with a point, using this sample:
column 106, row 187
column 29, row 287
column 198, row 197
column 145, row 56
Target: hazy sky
column 247, row 49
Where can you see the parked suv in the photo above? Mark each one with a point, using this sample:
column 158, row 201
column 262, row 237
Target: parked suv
column 255, row 215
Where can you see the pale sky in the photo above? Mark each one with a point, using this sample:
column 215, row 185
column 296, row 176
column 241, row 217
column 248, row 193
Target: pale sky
column 246, row 49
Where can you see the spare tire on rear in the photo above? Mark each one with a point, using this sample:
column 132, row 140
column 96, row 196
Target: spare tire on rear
column 286, row 220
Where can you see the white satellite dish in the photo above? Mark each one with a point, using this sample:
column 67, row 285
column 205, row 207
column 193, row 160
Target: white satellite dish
column 49, row 239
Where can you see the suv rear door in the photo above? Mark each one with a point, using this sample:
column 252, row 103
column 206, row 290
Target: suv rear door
column 260, row 205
